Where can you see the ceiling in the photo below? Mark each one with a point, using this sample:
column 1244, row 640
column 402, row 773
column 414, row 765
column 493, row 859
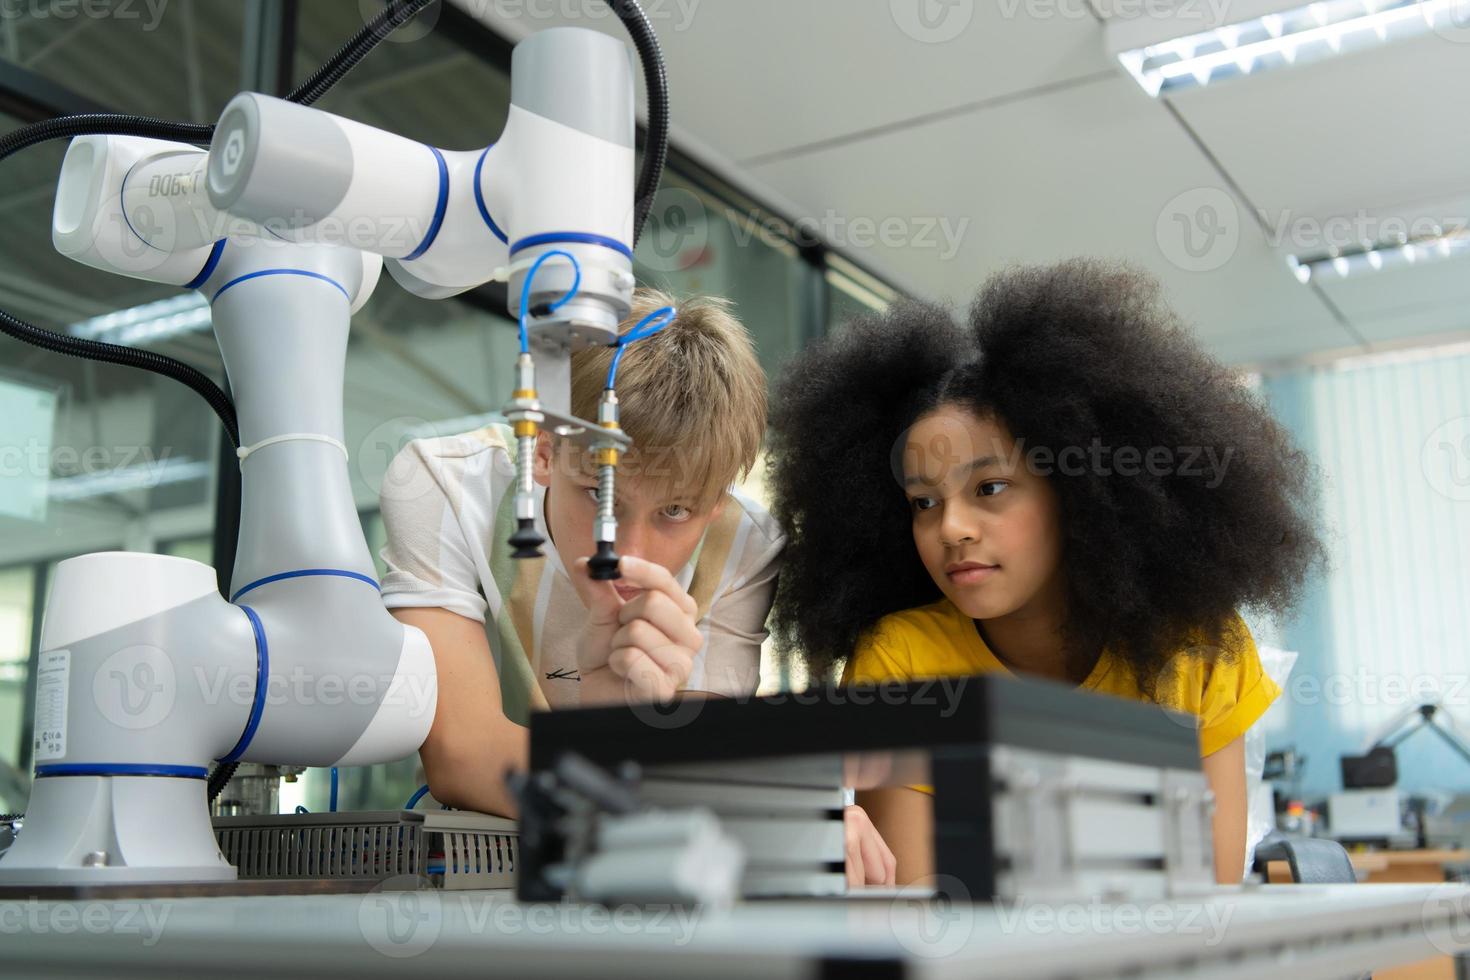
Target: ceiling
column 1012, row 122
column 1017, row 139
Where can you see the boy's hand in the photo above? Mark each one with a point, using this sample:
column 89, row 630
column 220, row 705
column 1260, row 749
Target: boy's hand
column 637, row 650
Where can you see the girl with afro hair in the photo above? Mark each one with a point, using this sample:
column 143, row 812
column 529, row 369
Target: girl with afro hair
column 1067, row 488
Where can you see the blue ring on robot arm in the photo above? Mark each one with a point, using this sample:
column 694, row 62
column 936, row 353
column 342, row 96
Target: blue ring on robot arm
column 439, row 208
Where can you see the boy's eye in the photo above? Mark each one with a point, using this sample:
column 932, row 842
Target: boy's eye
column 991, row 487
column 677, row 512
column 591, row 492
column 922, row 503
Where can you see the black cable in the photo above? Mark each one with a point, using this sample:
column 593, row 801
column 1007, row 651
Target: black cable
column 393, row 16
column 113, row 124
column 223, row 773
column 67, row 127
column 656, row 81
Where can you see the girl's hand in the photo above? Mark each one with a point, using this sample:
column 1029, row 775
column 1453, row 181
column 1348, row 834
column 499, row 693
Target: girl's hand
column 869, row 861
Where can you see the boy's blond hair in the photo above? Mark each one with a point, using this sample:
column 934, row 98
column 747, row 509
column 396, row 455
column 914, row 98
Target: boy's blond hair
column 692, row 397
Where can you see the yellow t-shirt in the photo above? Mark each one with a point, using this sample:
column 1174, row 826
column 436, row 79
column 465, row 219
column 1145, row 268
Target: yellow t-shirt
column 1227, row 693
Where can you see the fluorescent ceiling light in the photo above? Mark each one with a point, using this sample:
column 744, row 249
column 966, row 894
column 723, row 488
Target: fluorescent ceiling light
column 1380, row 256
column 150, row 323
column 1308, row 33
column 146, row 476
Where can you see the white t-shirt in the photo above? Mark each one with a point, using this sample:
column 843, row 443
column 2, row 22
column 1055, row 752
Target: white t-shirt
column 447, row 510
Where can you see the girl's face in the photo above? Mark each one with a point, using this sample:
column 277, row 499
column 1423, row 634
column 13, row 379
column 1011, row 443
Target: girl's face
column 987, row 528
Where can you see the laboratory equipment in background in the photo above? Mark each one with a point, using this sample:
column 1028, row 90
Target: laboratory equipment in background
column 1367, row 816
column 447, row 849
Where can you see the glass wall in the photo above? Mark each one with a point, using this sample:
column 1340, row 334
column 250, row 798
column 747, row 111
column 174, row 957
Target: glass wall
column 97, row 457
column 175, row 60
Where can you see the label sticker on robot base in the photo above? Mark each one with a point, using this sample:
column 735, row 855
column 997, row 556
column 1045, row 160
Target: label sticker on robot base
column 53, row 680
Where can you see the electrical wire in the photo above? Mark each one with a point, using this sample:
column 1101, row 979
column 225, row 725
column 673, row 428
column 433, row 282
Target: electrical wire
column 113, row 124
column 642, row 331
column 525, row 311
column 656, row 84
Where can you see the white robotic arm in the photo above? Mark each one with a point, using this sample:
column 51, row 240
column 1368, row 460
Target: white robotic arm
column 146, row 672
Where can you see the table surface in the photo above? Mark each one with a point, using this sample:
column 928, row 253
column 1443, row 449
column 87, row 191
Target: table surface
column 1312, row 931
column 1381, row 861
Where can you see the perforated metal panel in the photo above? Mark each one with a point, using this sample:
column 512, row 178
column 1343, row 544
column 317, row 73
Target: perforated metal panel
column 451, row 849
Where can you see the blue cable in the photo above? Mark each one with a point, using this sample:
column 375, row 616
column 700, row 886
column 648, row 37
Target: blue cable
column 665, row 316
column 418, row 795
column 531, row 277
column 332, row 803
